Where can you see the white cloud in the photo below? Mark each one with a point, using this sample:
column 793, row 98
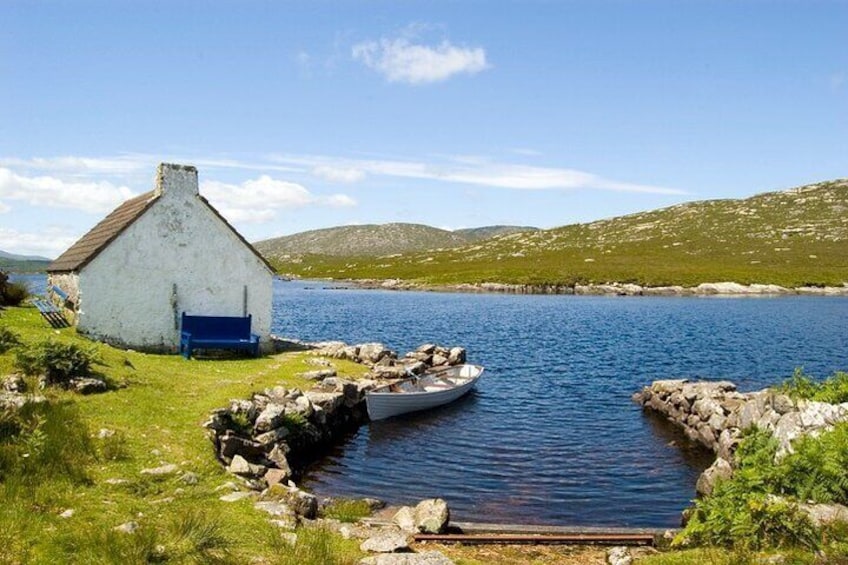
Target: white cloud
column 339, row 201
column 4, row 208
column 93, row 197
column 339, row 174
column 257, row 200
column 400, row 60
column 50, row 242
column 72, row 165
column 479, row 171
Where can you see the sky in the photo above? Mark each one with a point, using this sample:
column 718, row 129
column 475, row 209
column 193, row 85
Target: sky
column 455, row 114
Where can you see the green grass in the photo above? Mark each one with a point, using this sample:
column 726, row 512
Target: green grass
column 347, row 510
column 791, row 239
column 157, row 413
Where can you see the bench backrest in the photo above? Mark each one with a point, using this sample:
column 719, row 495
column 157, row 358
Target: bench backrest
column 211, row 327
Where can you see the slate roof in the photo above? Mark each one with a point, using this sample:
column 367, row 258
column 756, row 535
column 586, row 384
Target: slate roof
column 88, row 246
column 100, row 236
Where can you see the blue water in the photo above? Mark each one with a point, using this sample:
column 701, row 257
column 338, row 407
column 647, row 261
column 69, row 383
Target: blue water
column 550, row 435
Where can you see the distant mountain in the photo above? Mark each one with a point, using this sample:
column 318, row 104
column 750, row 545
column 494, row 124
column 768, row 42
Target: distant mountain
column 486, row 232
column 13, row 257
column 792, row 238
column 374, row 240
column 10, row 262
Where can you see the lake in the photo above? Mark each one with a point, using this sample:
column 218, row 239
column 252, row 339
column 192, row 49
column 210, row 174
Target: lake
column 550, row 435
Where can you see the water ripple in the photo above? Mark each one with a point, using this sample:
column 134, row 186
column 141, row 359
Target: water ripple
column 550, row 435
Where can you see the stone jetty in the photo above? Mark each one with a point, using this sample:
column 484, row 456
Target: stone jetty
column 715, row 414
column 265, row 440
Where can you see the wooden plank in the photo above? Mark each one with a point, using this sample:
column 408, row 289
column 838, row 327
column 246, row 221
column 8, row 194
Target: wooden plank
column 540, row 539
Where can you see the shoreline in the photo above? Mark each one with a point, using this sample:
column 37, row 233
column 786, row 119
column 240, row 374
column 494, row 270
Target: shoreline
column 722, row 289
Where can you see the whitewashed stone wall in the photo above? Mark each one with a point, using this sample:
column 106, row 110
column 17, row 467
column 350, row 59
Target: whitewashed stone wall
column 178, row 256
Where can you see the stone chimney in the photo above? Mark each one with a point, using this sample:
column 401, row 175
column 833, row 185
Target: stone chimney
column 176, row 180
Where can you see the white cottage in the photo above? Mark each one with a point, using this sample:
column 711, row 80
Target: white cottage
column 155, row 256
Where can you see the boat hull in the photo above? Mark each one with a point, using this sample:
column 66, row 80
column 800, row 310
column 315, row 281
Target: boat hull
column 382, row 403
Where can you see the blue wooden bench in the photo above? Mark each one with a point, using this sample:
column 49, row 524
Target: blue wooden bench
column 217, row 332
column 50, row 312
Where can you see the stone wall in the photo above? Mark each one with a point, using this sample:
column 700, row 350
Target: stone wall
column 715, row 414
column 268, row 438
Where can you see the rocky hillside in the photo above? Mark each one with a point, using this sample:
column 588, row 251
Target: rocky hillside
column 793, row 238
column 375, row 240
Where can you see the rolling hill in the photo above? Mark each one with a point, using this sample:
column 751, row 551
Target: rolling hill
column 374, row 240
column 792, row 238
column 10, row 262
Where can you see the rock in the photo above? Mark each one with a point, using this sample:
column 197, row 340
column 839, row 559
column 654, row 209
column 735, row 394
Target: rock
column 277, row 476
column 127, row 528
column 432, row 516
column 270, row 418
column 720, row 470
column 327, row 401
column 231, row 445
column 319, row 374
column 405, row 519
column 240, row 466
column 619, row 556
column 373, row 352
column 426, row 349
column 787, row 429
column 14, row 383
column 163, row 470
column 386, row 541
column 302, row 503
column 277, row 456
column 456, row 356
column 190, row 478
column 439, row 360
column 394, row 372
column 271, row 437
column 236, row 496
column 423, row 558
column 825, row 514
column 416, row 367
column 87, row 385
column 67, row 513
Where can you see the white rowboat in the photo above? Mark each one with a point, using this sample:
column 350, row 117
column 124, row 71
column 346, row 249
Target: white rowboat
column 421, row 392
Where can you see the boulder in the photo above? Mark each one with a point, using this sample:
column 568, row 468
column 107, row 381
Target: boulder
column 432, row 516
column 302, row 503
column 426, row 349
column 13, row 383
column 319, row 374
column 720, row 470
column 271, row 437
column 169, row 469
column 327, row 401
column 423, row 558
column 240, row 466
column 439, row 360
column 825, row 514
column 456, row 356
column 270, row 418
column 405, row 519
column 386, row 541
column 619, row 555
column 87, row 385
column 277, row 476
column 231, row 445
column 373, row 352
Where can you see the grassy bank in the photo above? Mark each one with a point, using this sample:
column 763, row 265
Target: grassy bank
column 64, row 466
